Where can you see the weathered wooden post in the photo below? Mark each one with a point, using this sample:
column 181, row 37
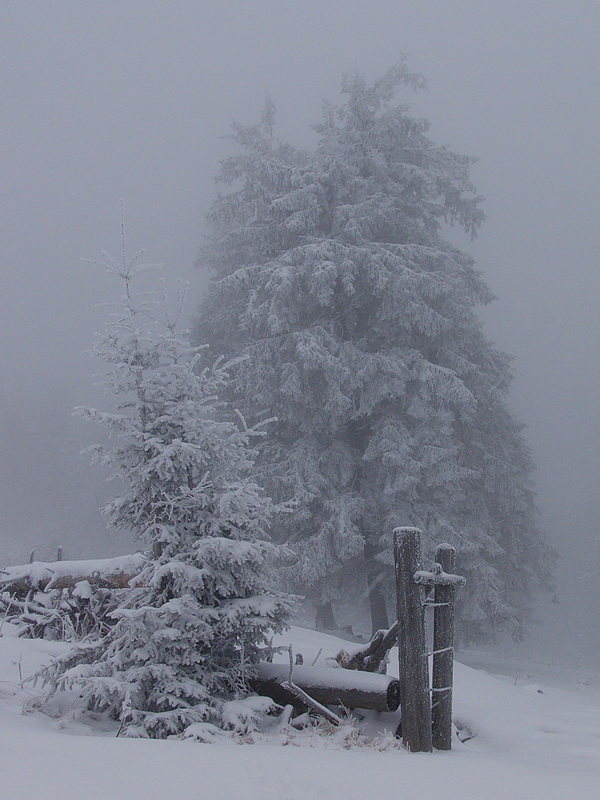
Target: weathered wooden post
column 445, row 583
column 412, row 650
column 443, row 652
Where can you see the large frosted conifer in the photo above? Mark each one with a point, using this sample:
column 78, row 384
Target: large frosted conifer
column 186, row 640
column 331, row 273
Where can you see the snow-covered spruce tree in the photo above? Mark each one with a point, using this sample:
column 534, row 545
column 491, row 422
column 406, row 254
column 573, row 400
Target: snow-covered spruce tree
column 187, row 638
column 331, row 273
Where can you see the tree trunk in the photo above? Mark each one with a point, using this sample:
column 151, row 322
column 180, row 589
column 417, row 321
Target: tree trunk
column 377, row 607
column 324, row 618
column 379, row 617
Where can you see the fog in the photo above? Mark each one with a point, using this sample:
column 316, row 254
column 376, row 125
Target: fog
column 103, row 101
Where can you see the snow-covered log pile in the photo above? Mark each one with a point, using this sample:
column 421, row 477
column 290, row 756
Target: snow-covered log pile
column 67, row 600
column 109, row 573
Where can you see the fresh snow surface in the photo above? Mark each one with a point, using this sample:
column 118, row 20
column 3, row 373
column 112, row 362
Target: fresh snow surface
column 534, row 739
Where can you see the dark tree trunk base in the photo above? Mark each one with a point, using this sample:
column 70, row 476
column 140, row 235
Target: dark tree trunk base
column 377, row 607
column 379, row 616
column 324, row 618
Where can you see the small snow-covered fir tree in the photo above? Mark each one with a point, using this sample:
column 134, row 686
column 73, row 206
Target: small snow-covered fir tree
column 332, row 274
column 186, row 639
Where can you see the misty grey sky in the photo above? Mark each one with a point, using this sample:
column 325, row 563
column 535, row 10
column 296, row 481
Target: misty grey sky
column 104, row 100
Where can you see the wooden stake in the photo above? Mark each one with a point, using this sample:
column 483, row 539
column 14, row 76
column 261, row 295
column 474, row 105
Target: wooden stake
column 443, row 652
column 412, row 651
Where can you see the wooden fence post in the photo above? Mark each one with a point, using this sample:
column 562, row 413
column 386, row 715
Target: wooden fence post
column 443, row 652
column 412, row 650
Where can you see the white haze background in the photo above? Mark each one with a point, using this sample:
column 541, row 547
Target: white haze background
column 106, row 100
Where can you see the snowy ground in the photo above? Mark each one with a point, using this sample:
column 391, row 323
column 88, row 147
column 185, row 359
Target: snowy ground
column 537, row 735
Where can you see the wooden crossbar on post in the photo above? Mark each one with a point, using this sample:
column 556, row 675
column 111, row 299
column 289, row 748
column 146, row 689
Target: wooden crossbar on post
column 412, row 651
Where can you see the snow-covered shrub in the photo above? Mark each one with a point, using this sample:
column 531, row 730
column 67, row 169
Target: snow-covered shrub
column 185, row 641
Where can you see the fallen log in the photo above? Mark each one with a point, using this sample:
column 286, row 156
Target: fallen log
column 110, row 573
column 328, row 686
column 372, row 657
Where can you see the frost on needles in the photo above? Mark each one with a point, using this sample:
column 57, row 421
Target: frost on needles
column 359, row 320
column 187, row 638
